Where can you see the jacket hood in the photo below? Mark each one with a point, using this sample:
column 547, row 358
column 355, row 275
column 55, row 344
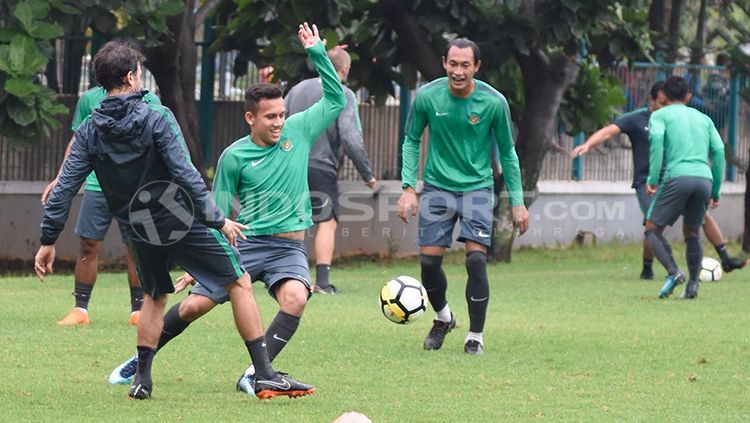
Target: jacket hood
column 121, row 117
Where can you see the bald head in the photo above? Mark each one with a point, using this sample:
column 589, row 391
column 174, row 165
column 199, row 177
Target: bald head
column 341, row 61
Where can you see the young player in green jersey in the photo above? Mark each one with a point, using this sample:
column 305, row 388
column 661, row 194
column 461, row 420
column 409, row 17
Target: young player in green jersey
column 681, row 139
column 465, row 116
column 94, row 219
column 635, row 126
column 268, row 171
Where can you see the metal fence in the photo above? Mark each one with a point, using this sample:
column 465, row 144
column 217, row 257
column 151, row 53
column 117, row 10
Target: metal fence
column 610, row 162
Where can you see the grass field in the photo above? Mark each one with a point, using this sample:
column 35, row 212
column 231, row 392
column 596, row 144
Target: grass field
column 572, row 335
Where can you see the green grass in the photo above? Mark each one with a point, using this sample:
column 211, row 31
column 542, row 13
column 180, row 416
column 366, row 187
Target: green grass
column 572, row 335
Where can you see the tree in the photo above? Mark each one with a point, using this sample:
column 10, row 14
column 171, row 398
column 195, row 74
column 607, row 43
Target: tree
column 27, row 108
column 165, row 27
column 530, row 52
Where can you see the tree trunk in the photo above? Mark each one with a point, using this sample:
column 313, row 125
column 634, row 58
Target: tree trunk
column 746, row 234
column 545, row 80
column 411, row 40
column 674, row 31
column 697, row 49
column 173, row 65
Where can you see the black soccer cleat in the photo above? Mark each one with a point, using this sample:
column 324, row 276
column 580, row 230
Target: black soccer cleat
column 141, row 388
column 330, row 289
column 473, row 347
column 437, row 334
column 281, row 385
column 140, row 391
column 733, row 263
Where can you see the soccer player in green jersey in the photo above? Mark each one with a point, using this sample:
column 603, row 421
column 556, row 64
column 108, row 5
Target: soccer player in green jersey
column 267, row 170
column 465, row 116
column 635, row 126
column 681, row 138
column 94, row 219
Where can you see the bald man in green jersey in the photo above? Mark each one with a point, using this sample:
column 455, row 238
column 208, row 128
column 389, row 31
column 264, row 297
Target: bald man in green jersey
column 465, row 116
column 681, row 139
column 267, row 170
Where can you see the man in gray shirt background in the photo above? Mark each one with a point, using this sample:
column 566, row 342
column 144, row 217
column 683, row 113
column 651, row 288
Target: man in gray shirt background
column 324, row 162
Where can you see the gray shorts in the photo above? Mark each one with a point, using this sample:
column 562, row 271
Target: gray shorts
column 439, row 210
column 684, row 195
column 268, row 259
column 324, row 195
column 94, row 217
column 203, row 252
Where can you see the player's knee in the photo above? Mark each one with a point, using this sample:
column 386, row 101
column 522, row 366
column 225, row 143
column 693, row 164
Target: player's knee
column 476, row 261
column 89, row 247
column 292, row 296
column 430, row 263
column 195, row 306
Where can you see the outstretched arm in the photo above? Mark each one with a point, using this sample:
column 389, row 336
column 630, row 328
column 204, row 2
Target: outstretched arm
column 598, row 137
column 313, row 121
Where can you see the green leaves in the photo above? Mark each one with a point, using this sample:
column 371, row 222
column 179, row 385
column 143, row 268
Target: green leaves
column 591, row 101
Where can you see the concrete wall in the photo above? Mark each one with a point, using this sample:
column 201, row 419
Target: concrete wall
column 368, row 222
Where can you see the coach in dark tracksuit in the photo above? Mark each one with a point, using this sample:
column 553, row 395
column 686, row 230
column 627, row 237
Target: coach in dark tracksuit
column 325, row 155
column 151, row 187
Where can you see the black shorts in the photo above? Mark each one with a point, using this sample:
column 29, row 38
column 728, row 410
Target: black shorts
column 684, row 195
column 324, row 195
column 203, row 252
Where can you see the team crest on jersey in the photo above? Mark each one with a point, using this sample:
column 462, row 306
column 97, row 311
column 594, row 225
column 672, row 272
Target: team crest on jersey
column 287, row 145
column 474, row 118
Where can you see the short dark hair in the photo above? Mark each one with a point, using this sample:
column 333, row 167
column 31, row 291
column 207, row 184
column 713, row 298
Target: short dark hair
column 464, row 43
column 676, row 88
column 113, row 61
column 658, row 86
column 255, row 93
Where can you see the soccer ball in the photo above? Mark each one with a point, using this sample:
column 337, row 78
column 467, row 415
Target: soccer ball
column 710, row 270
column 403, row 300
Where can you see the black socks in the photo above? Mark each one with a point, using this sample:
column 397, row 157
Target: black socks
column 279, row 332
column 82, row 292
column 259, row 355
column 662, row 250
column 434, row 281
column 321, row 275
column 173, row 326
column 477, row 290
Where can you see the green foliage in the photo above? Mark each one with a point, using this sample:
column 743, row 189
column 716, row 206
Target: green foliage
column 591, row 101
column 504, row 30
column 28, row 109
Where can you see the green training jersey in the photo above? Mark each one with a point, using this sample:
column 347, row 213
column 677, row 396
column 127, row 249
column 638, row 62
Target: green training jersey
column 681, row 138
column 90, row 100
column 461, row 132
column 271, row 182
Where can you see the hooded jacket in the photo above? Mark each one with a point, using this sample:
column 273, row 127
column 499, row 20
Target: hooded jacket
column 143, row 166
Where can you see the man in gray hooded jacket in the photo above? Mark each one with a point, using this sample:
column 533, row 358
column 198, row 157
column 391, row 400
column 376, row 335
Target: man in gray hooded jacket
column 152, row 188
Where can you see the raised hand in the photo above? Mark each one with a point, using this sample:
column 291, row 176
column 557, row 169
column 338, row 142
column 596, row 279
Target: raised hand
column 308, row 36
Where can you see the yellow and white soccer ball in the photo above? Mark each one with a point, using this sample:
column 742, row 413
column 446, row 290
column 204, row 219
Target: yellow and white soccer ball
column 403, row 299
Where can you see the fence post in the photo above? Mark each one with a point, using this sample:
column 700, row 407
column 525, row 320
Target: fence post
column 206, row 105
column 734, row 109
column 403, row 114
column 577, row 165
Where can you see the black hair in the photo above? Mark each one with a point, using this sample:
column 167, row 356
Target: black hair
column 676, row 88
column 658, row 86
column 259, row 91
column 113, row 61
column 464, row 43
